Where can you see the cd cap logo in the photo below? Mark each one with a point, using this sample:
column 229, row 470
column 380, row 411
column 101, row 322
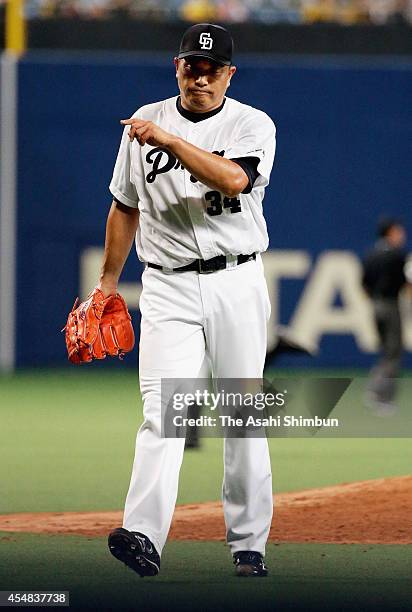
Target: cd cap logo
column 205, row 41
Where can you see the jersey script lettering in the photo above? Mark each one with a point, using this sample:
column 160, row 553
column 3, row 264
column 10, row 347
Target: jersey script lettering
column 163, row 161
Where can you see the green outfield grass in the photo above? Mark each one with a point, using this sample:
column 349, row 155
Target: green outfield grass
column 67, row 443
column 199, row 576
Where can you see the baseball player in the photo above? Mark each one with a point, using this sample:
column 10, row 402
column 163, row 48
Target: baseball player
column 188, row 182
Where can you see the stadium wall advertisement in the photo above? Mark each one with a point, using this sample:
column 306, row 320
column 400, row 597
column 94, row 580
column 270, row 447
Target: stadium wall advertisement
column 343, row 149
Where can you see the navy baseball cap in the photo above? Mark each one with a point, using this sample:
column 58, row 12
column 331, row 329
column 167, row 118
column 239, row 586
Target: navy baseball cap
column 207, row 40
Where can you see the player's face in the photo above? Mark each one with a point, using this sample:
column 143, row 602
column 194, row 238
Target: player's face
column 202, row 83
column 397, row 236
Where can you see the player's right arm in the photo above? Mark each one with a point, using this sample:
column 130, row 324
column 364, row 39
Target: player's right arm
column 122, row 223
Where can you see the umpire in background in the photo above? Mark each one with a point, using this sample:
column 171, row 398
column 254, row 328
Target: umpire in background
column 383, row 278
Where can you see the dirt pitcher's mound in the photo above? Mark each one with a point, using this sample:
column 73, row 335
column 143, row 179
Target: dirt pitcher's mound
column 369, row 512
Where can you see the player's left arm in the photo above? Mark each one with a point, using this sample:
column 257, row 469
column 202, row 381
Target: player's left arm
column 210, row 169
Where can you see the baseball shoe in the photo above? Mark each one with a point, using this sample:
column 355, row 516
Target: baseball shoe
column 249, row 563
column 135, row 550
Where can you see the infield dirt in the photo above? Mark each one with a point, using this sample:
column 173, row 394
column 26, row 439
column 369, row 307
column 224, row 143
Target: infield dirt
column 370, row 512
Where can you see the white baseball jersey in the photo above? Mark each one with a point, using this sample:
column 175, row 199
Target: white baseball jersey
column 182, row 219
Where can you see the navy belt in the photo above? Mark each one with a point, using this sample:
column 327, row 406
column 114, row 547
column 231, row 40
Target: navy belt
column 205, row 266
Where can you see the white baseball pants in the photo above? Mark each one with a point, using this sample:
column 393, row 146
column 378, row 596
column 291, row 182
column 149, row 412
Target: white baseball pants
column 185, row 317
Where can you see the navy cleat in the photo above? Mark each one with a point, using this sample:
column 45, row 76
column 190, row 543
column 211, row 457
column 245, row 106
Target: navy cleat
column 135, row 550
column 249, row 563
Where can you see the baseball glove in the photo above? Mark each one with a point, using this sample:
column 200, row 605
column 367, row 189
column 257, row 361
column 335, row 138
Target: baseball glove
column 98, row 327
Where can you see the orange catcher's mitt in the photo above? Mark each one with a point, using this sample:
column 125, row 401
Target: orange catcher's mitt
column 98, row 327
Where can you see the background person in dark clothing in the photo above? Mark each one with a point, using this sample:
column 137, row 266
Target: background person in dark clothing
column 383, row 278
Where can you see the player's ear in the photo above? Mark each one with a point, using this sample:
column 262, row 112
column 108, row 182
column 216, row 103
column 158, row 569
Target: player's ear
column 176, row 63
column 232, row 70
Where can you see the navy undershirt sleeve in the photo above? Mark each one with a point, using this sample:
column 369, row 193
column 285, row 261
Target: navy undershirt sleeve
column 249, row 165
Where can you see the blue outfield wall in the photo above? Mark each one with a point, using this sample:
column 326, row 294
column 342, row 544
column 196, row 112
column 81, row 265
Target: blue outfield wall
column 343, row 157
